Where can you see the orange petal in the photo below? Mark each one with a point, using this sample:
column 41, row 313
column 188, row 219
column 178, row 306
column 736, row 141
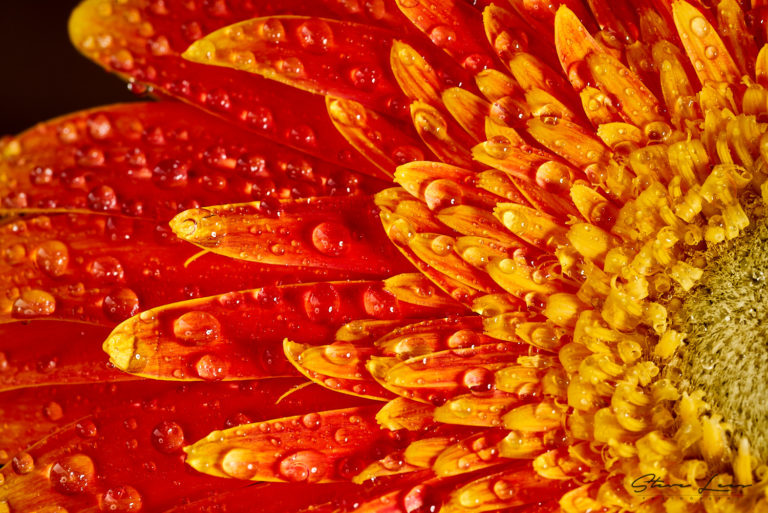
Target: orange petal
column 324, row 233
column 517, row 486
column 452, row 27
column 309, row 448
column 442, row 135
column 437, row 377
column 339, row 366
column 383, row 141
column 468, row 110
column 328, row 57
column 708, row 54
column 574, row 43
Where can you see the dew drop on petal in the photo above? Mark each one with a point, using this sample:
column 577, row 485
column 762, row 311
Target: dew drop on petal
column 315, row 36
column 105, row 269
column 120, row 499
column 72, row 474
column 168, row 437
column 197, row 328
column 322, row 302
column 210, row 367
column 331, row 239
column 311, row 420
column 86, row 429
column 120, row 304
column 239, row 463
column 34, row 303
column 23, row 463
column 273, row 31
column 52, row 257
column 53, row 411
column 303, row 466
column 699, row 26
column 497, row 147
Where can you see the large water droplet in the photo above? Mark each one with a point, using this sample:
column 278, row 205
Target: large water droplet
column 304, row 466
column 34, row 303
column 23, row 463
column 120, row 499
column 120, row 304
column 699, row 26
column 322, row 302
column 168, row 437
column 210, row 367
column 197, row 328
column 106, row 269
column 331, row 239
column 315, row 36
column 239, row 463
column 72, row 474
column 52, row 257
column 273, row 31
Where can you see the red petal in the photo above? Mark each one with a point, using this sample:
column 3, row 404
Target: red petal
column 144, row 42
column 133, row 448
column 103, row 269
column 155, row 159
column 317, row 447
column 31, row 356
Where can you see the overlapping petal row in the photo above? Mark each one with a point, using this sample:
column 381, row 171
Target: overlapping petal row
column 489, row 335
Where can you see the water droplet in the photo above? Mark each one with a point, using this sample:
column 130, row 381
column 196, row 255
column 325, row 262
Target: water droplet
column 442, row 36
column 478, row 380
column 290, row 67
column 322, row 303
column 197, row 328
column 86, row 429
column 311, row 420
column 497, row 147
column 348, row 113
column 408, row 3
column 554, row 177
column 315, row 36
column 170, row 173
column 239, row 463
column 15, row 254
column 34, row 303
column 331, row 238
column 120, row 304
column 380, row 304
column 52, row 257
column 210, row 367
column 273, row 31
column 106, row 269
column 304, row 466
column 168, row 437
column 699, row 26
column 23, row 463
column 365, row 77
column 442, row 245
column 72, row 474
column 53, row 411
column 120, row 499
column 199, row 224
column 710, row 52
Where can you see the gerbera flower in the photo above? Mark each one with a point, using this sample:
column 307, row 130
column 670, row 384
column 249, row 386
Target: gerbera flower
column 413, row 257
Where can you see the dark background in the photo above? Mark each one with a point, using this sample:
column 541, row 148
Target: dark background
column 41, row 73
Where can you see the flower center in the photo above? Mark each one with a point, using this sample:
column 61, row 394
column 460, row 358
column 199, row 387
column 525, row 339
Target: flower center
column 726, row 352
